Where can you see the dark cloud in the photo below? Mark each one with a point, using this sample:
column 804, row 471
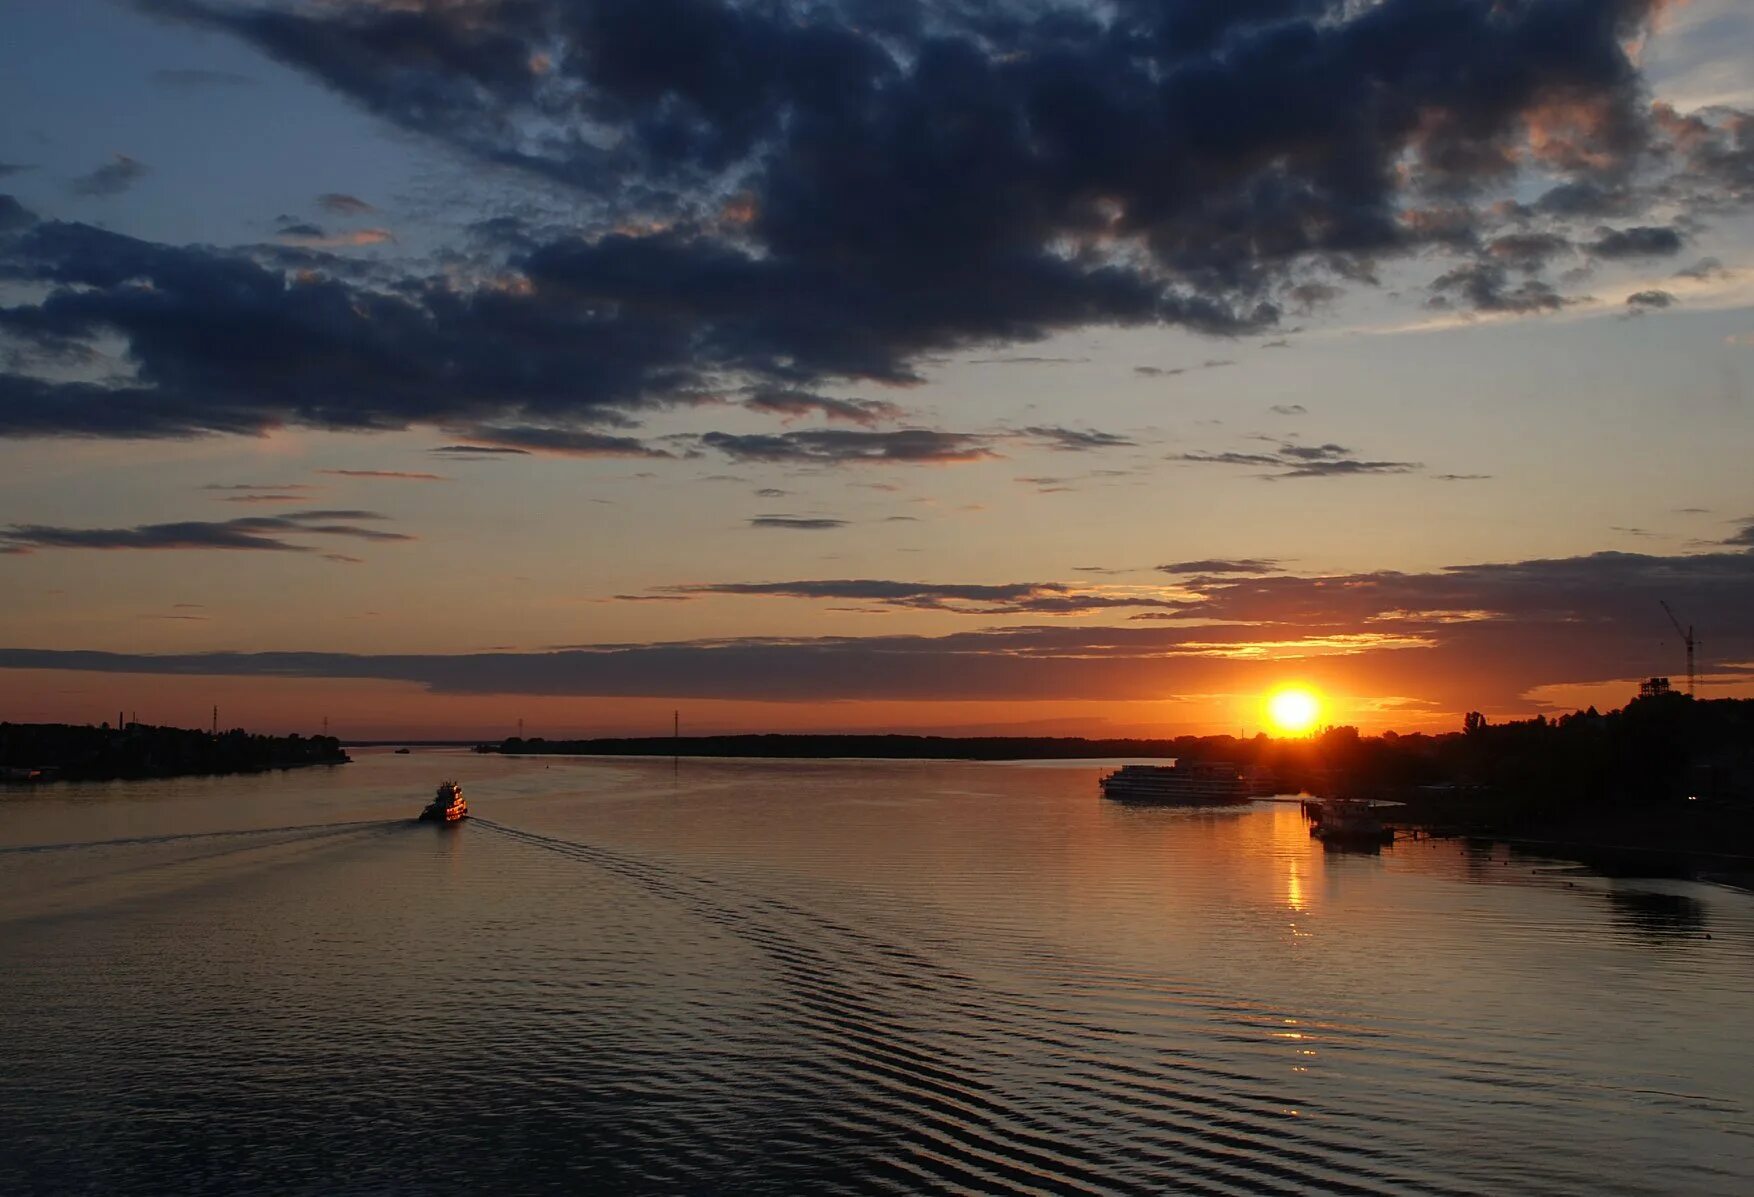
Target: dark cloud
column 816, row 194
column 1586, row 197
column 256, row 533
column 1715, row 147
column 1237, row 565
column 254, row 486
column 1642, row 241
column 836, row 447
column 1289, row 409
column 13, row 168
column 112, row 178
column 1291, row 460
column 797, row 523
column 1023, row 359
column 792, row 404
column 193, row 79
column 1527, row 251
column 1307, row 297
column 221, row 342
column 14, row 215
column 343, row 205
column 1485, row 287
column 1077, row 440
column 771, row 492
column 1647, row 300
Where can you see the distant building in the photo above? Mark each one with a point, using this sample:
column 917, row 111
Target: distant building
column 1656, row 687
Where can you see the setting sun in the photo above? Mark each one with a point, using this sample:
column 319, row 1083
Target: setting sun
column 1294, row 710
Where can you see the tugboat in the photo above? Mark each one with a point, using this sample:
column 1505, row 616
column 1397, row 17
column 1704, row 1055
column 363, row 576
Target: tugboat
column 447, row 806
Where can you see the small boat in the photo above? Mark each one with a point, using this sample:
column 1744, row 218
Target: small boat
column 1348, row 823
column 447, row 806
column 403, row 751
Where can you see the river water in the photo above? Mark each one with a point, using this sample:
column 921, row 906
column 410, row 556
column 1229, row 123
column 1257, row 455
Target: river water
column 763, row 977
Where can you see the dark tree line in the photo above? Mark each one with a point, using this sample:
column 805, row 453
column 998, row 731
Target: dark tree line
column 84, row 753
column 1660, row 750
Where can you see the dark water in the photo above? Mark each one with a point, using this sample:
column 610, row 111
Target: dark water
column 748, row 977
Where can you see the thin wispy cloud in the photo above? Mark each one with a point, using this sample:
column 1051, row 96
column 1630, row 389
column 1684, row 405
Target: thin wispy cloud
column 199, row 79
column 1077, row 440
column 1228, row 565
column 793, row 404
column 387, row 475
column 252, row 492
column 112, row 178
column 1010, row 598
column 316, row 237
column 910, row 446
column 1291, row 460
column 251, row 534
column 1178, row 371
column 485, row 452
column 341, row 204
column 797, row 523
column 558, row 442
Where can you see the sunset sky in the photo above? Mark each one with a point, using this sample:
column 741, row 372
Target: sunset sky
column 979, row 365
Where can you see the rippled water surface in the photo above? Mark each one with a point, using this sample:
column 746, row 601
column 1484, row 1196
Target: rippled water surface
column 746, row 977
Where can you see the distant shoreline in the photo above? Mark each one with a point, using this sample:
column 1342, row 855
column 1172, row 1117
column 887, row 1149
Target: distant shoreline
column 35, row 753
column 806, row 746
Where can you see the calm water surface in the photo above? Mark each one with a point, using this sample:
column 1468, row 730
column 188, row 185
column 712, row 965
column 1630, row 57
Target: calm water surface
column 747, row 977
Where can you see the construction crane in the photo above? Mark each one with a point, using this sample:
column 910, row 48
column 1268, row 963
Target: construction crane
column 1686, row 635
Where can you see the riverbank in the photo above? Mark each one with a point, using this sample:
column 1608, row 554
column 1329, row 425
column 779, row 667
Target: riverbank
column 34, row 753
column 1687, row 840
column 780, row 746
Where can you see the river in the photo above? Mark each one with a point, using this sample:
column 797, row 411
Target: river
column 838, row 977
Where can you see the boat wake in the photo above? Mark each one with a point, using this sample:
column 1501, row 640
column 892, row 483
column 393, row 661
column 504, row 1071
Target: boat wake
column 135, row 841
column 930, row 1077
